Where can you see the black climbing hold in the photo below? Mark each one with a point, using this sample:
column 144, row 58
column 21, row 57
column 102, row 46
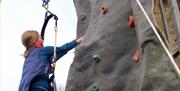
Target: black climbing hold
column 95, row 87
column 97, row 58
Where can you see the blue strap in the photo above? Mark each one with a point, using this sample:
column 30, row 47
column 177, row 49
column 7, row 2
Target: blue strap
column 50, row 13
column 44, row 25
column 45, row 2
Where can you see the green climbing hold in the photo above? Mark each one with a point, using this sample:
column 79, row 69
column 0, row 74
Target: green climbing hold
column 95, row 88
column 82, row 17
column 97, row 58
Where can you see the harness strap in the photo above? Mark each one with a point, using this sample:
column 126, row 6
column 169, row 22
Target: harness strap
column 44, row 25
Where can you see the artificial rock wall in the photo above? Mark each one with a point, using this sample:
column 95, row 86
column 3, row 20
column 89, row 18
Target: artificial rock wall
column 104, row 60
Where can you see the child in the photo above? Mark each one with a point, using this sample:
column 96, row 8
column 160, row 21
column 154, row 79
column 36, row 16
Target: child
column 38, row 59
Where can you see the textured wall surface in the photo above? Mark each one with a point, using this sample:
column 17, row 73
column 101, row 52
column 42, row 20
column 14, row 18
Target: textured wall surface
column 109, row 37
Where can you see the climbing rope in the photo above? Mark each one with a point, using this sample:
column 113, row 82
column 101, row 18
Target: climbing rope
column 161, row 41
column 48, row 16
column 54, row 56
column 55, row 42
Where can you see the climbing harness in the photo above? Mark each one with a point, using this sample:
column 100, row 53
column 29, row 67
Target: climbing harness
column 48, row 16
column 161, row 41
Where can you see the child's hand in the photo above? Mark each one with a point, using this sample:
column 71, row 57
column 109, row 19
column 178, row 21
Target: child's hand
column 79, row 39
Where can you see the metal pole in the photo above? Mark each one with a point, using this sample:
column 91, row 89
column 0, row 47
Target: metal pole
column 175, row 18
column 165, row 24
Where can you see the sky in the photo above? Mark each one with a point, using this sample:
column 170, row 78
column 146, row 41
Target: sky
column 17, row 16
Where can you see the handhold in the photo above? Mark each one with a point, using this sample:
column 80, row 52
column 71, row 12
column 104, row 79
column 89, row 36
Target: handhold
column 104, row 9
column 95, row 87
column 97, row 58
column 137, row 56
column 82, row 17
column 131, row 22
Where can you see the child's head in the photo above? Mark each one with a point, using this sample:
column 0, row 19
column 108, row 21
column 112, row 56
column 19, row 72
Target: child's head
column 28, row 39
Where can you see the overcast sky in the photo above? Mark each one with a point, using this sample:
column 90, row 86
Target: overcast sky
column 18, row 16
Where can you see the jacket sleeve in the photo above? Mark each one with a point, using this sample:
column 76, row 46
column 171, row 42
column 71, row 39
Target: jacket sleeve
column 62, row 50
column 46, row 53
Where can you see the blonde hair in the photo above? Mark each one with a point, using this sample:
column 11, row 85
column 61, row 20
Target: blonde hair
column 28, row 39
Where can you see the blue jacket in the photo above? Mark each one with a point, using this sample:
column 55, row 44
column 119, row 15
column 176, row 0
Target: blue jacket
column 36, row 66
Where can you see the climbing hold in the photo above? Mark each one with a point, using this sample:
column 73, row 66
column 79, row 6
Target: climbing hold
column 95, row 87
column 82, row 17
column 104, row 9
column 97, row 58
column 131, row 22
column 136, row 57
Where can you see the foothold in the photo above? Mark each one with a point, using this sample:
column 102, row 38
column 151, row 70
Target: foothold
column 136, row 57
column 82, row 17
column 131, row 22
column 97, row 58
column 104, row 9
column 95, row 87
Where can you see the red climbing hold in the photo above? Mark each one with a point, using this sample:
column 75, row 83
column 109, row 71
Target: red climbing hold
column 104, row 9
column 131, row 22
column 137, row 56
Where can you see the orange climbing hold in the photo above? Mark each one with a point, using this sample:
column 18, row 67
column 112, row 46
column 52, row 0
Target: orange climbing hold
column 137, row 56
column 131, row 22
column 104, row 9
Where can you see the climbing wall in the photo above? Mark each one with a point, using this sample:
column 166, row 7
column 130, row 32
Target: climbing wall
column 109, row 57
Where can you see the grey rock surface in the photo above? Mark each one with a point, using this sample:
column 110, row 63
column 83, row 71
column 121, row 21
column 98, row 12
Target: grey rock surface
column 108, row 36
